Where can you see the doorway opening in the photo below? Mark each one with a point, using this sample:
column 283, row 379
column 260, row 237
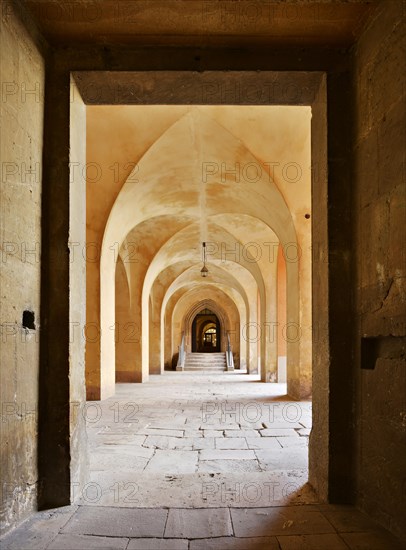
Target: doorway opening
column 250, row 223
column 255, row 300
column 206, row 332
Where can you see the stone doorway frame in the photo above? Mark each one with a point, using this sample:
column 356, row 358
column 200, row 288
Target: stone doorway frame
column 193, row 313
column 246, row 88
column 190, row 316
column 178, row 87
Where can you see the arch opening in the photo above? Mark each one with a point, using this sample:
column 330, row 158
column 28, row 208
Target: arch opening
column 206, row 332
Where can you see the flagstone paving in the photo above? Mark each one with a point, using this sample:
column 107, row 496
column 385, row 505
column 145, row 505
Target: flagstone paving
column 300, row 527
column 180, row 429
column 198, row 462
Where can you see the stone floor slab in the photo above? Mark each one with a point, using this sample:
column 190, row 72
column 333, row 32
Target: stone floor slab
column 228, row 466
column 213, row 433
column 158, row 544
column 263, row 443
column 122, row 439
column 131, row 430
column 117, row 522
column 283, row 459
column 204, row 443
column 232, row 543
column 173, row 462
column 177, row 422
column 247, row 425
column 347, row 519
column 256, row 490
column 87, row 542
column 241, row 433
column 228, row 426
column 38, row 531
column 165, row 442
column 231, row 443
column 122, row 450
column 312, row 542
column 292, row 441
column 156, row 431
column 290, row 520
column 283, row 425
column 193, row 433
column 233, row 454
column 304, row 431
column 372, row 541
column 102, row 461
column 203, row 523
column 279, row 432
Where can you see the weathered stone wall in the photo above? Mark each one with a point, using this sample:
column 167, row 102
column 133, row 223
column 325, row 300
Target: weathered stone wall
column 77, row 291
column 22, row 106
column 380, row 298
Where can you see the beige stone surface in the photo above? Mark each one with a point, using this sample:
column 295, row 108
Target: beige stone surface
column 158, row 544
column 195, row 529
column 198, row 523
column 22, row 74
column 311, row 542
column 85, row 542
column 123, row 522
column 129, row 469
column 279, row 522
column 232, row 543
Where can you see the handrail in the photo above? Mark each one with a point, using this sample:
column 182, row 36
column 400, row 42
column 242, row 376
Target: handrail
column 229, row 354
column 182, row 354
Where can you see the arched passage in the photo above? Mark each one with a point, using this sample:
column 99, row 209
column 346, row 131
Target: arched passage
column 206, row 201
column 206, row 332
column 188, row 301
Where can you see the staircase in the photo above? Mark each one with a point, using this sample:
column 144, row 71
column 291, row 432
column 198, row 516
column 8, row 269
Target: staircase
column 211, row 362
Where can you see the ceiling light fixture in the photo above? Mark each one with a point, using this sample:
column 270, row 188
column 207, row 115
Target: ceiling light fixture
column 204, row 271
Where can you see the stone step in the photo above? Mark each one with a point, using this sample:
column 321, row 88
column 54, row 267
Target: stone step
column 193, row 360
column 205, row 361
column 189, row 362
column 197, row 363
column 219, row 369
column 205, row 356
column 203, row 365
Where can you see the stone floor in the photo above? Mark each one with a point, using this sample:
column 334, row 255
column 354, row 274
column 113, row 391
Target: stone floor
column 198, row 440
column 196, row 462
column 300, row 527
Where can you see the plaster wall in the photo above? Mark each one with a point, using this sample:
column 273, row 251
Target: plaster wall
column 127, row 334
column 281, row 316
column 22, row 111
column 115, row 142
